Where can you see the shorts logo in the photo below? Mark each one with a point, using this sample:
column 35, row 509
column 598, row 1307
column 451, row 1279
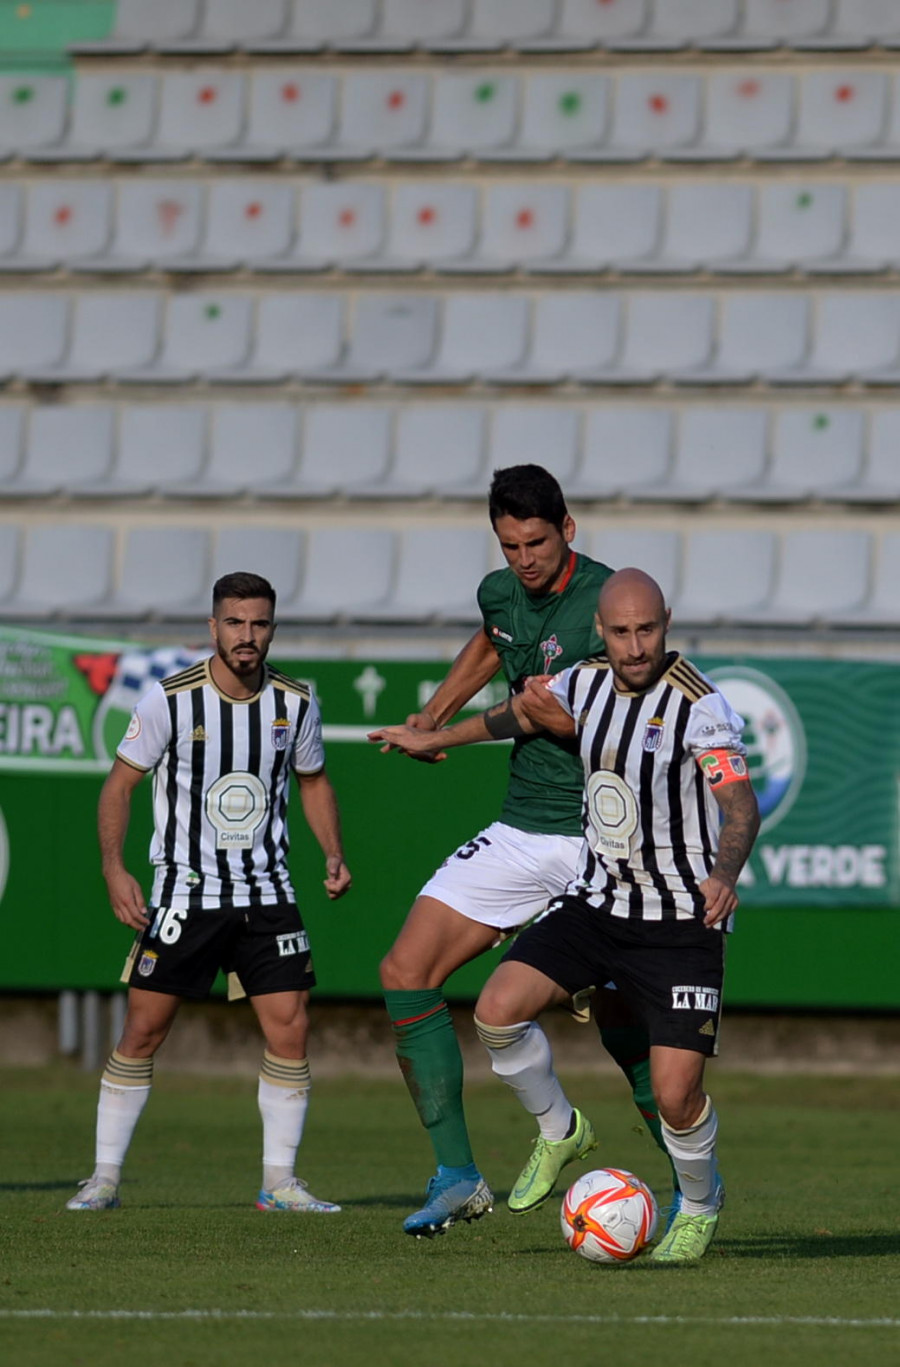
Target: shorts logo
column 281, row 730
column 504, row 635
column 147, row 963
column 695, row 999
column 653, row 734
column 296, row 943
column 707, row 1028
column 551, row 650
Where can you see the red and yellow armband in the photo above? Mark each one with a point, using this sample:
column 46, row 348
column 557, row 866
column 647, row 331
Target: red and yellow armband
column 723, row 766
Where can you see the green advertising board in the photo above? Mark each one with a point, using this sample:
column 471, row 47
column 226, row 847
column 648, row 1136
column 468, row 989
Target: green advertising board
column 820, row 899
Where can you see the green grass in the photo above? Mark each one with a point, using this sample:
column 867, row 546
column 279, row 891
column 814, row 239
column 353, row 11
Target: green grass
column 810, row 1232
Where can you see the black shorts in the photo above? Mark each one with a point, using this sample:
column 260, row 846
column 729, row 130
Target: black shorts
column 671, row 971
column 181, row 952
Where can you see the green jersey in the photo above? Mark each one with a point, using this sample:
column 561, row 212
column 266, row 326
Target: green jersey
column 542, row 635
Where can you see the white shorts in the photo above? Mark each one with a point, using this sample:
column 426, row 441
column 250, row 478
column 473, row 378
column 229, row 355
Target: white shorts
column 505, row 877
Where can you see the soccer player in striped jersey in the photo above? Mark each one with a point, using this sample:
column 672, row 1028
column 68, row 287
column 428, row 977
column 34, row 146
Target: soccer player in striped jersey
column 221, row 739
column 655, row 888
column 538, row 617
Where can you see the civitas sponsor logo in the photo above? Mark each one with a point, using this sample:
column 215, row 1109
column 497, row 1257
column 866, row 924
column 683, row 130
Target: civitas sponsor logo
column 774, row 737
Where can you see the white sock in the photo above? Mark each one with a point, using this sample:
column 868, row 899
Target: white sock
column 283, row 1098
column 693, row 1152
column 124, row 1089
column 521, row 1056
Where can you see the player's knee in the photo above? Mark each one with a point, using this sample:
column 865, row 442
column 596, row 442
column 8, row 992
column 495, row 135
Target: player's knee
column 677, row 1106
column 399, row 973
column 497, row 1007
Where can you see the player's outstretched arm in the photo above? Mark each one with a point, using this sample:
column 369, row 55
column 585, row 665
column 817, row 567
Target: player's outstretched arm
column 323, row 818
column 505, row 721
column 113, row 814
column 740, row 825
column 475, row 665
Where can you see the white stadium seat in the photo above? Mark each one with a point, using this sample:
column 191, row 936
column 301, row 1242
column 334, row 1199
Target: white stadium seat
column 479, row 333
column 614, row 227
column 156, row 221
column 879, row 481
column 680, row 23
column 316, row 24
column 289, row 114
column 813, row 450
column 757, row 332
column 653, row 550
column 348, row 570
column 12, row 442
column 838, row 111
column 439, row 450
column 10, row 553
column 32, row 114
column 296, row 334
column 536, row 434
column 856, row 334
column 382, row 112
column 798, row 225
column 562, row 113
column 624, row 449
column 110, row 333
column 748, row 113
column 202, row 333
column 429, row 224
column 706, row 226
column 495, row 24
column 521, row 225
column 725, row 573
column 270, row 431
column 472, row 113
column 66, row 568
column 881, row 607
column 343, row 445
column 340, row 222
column 821, row 575
column 770, row 22
column 417, row 23
column 68, row 448
column 717, row 451
column 33, row 331
column 161, row 447
column 657, row 113
column 111, row 112
column 389, row 334
column 438, row 571
column 230, row 24
column 248, row 223
column 64, row 220
column 274, row 552
column 165, row 574
column 139, row 26
column 573, row 333
column 663, row 330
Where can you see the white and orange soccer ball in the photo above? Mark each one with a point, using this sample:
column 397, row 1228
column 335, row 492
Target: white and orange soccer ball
column 608, row 1216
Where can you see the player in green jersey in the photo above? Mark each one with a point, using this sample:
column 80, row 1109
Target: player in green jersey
column 538, row 618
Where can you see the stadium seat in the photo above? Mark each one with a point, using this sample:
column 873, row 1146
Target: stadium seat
column 389, row 334
column 717, row 450
column 770, row 23
column 438, row 571
column 316, row 24
column 562, row 113
column 573, row 334
column 32, row 114
column 862, row 23
column 655, row 114
column 199, row 112
column 472, row 113
column 583, row 24
column 11, row 201
column 706, row 226
column 757, row 332
column 343, row 445
column 340, row 222
column 663, row 330
column 66, row 568
column 536, row 434
column 614, row 226
column 748, row 113
column 68, row 447
column 165, row 574
column 855, row 335
column 879, row 480
column 139, row 26
column 349, row 569
column 653, row 550
column 438, row 450
column 202, row 333
column 404, row 24
column 289, row 114
column 248, row 222
column 521, row 225
column 382, row 112
column 676, row 24
column 838, row 111
column 871, row 244
column 496, row 24
column 12, row 441
column 156, row 221
column 725, row 574
column 160, row 448
column 10, row 554
column 64, row 219
column 624, row 449
column 812, row 450
column 33, row 330
column 821, row 575
column 274, row 552
column 296, row 334
column 480, row 333
column 267, row 430
column 798, row 224
column 111, row 112
column 881, row 607
column 111, row 332
column 430, row 223
column 230, row 24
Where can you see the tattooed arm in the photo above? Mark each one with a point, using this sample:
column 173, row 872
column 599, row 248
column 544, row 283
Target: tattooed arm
column 505, row 721
column 736, row 836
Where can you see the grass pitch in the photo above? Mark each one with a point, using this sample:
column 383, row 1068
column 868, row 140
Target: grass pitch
column 806, row 1267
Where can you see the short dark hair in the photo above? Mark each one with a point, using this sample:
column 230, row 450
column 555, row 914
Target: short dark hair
column 525, row 491
column 242, row 584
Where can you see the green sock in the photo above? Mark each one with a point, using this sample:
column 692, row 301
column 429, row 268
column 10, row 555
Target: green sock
column 630, row 1047
column 432, row 1067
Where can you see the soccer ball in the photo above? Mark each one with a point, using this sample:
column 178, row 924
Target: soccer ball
column 608, row 1216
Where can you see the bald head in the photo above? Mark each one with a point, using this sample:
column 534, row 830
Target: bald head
column 635, row 587
column 633, row 619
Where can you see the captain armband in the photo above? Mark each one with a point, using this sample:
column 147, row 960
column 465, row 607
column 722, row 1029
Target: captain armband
column 503, row 724
column 723, row 766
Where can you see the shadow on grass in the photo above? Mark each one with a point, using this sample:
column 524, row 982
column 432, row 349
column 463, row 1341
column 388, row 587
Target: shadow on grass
column 874, row 1244
column 40, row 1186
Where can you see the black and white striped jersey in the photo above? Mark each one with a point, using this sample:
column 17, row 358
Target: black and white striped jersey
column 651, row 823
column 221, row 775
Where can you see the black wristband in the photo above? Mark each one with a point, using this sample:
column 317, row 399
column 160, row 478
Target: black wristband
column 503, row 725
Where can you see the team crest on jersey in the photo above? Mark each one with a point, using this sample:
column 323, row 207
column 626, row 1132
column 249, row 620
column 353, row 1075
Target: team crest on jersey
column 281, row 730
column 147, row 963
column 551, row 650
column 653, row 734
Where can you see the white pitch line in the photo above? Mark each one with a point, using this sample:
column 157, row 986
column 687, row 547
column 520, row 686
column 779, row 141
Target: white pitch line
column 475, row 1317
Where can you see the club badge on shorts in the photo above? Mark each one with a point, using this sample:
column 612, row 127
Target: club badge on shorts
column 147, row 963
column 281, row 730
